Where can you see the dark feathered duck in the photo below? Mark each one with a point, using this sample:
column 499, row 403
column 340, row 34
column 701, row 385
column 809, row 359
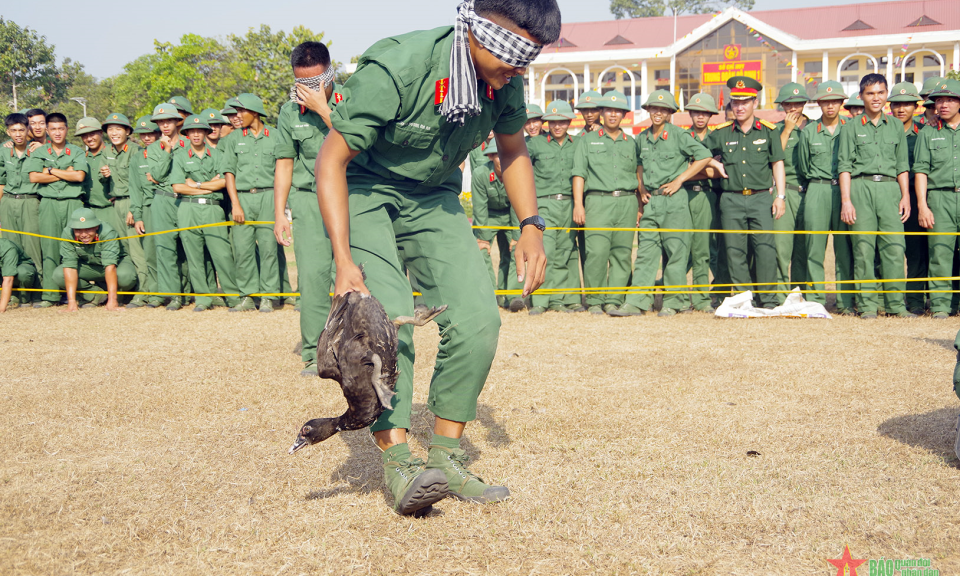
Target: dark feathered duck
column 358, row 349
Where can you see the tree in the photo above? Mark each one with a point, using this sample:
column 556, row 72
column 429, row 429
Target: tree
column 647, row 8
column 29, row 74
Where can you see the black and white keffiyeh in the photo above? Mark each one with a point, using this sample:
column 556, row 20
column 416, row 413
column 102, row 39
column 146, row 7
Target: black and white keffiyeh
column 508, row 47
column 315, row 83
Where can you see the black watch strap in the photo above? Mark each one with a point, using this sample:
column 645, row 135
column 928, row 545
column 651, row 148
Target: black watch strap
column 536, row 220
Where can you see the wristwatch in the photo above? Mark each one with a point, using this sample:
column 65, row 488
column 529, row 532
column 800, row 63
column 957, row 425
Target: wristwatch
column 537, row 221
column 781, row 196
column 50, row 170
column 197, row 185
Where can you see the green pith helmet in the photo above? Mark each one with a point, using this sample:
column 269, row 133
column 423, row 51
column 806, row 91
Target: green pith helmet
column 743, row 87
column 931, row 84
column 212, row 116
column 87, row 125
column 614, row 99
column 84, row 218
column 250, row 102
column 229, row 106
column 558, row 111
column 145, row 125
column 947, row 88
column 854, row 101
column 182, row 104
column 662, row 99
column 118, row 119
column 830, row 90
column 929, row 103
column 194, row 121
column 588, row 100
column 703, row 102
column 534, row 111
column 165, row 111
column 792, row 92
column 491, row 148
column 904, row 92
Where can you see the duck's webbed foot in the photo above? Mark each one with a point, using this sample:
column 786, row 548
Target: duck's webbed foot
column 421, row 316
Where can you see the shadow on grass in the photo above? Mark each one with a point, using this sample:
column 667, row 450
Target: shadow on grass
column 933, row 431
column 942, row 342
column 496, row 434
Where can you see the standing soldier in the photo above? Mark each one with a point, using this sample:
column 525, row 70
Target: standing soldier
column 249, row 161
column 229, row 114
column 20, row 205
column 667, row 158
column 59, row 170
column 38, row 128
column 17, row 271
column 217, row 124
column 552, row 159
column 605, row 171
column 930, row 85
column 141, row 199
column 98, row 185
column 791, row 249
column 854, row 105
column 303, row 124
column 873, row 165
column 819, row 146
column 587, row 105
column 937, row 174
column 753, row 160
column 183, row 106
column 534, row 124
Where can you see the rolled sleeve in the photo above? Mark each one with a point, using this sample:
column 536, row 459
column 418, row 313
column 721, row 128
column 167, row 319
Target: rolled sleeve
column 903, row 154
column 177, row 172
column 690, row 148
column 580, row 160
column 514, row 116
column 361, row 120
column 921, row 154
column 110, row 255
column 284, row 148
column 846, row 150
column 68, row 252
column 9, row 260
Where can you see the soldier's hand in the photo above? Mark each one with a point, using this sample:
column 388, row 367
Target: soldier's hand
column 105, row 171
column 112, row 306
column 71, row 307
column 8, row 144
column 190, row 182
column 349, row 279
column 130, row 220
column 644, row 197
column 779, row 208
column 484, row 245
column 281, row 229
column 904, row 209
column 670, row 188
column 237, row 214
column 848, row 213
column 791, row 121
column 579, row 215
column 150, row 178
column 33, row 147
column 138, row 225
column 531, row 259
column 313, row 100
column 925, row 216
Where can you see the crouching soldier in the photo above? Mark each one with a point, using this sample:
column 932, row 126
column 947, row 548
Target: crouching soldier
column 17, row 271
column 93, row 253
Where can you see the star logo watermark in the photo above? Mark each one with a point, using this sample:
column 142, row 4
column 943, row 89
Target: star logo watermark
column 846, row 565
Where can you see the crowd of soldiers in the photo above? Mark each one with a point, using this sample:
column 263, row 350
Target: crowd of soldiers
column 869, row 172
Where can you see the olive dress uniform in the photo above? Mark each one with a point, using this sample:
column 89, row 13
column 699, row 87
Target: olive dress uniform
column 20, row 205
column 664, row 157
column 58, row 200
column 300, row 133
column 491, row 207
column 14, row 262
column 609, row 169
column 874, row 155
column 91, row 261
column 404, row 189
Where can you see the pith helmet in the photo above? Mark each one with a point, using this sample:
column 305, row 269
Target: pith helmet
column 830, row 90
column 792, row 92
column 250, row 102
column 194, row 121
column 588, row 100
column 165, row 111
column 614, row 99
column 703, row 102
column 662, row 99
column 558, row 111
column 904, row 92
column 84, row 218
column 118, row 119
column 534, row 111
column 145, row 125
column 182, row 104
column 87, row 125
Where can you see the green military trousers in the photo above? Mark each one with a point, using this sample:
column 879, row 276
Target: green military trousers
column 563, row 269
column 704, row 253
column 149, row 244
column 133, row 244
column 753, row 212
column 172, row 272
column 256, row 206
column 791, row 248
column 956, row 369
column 821, row 213
column 216, row 241
column 608, row 252
column 311, row 247
column 504, row 275
column 54, row 215
column 397, row 223
column 945, row 205
column 917, row 254
column 672, row 212
column 90, row 273
column 23, row 215
column 26, row 278
column 108, row 214
column 877, row 206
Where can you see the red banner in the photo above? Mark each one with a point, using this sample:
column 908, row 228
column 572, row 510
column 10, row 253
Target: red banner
column 720, row 72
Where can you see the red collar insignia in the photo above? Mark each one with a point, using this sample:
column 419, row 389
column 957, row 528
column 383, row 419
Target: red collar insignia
column 493, row 176
column 916, row 129
column 665, row 133
column 489, row 92
column 182, row 145
column 266, row 132
column 819, row 127
column 863, row 120
column 939, row 124
column 443, row 86
column 125, row 146
column 843, row 122
column 49, row 150
column 67, row 150
column 303, row 109
column 163, row 146
column 337, row 97
column 600, row 132
column 483, row 146
column 144, row 154
column 244, row 131
column 758, row 125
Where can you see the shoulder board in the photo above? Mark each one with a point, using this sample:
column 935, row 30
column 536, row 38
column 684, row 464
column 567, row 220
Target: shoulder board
column 768, row 124
column 725, row 124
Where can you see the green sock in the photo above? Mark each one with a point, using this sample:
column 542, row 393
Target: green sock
column 445, row 442
column 396, row 453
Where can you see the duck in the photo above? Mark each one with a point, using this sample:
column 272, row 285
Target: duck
column 358, row 349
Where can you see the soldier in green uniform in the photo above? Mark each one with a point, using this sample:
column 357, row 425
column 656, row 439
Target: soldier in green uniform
column 20, row 205
column 216, row 122
column 196, row 177
column 98, row 183
column 17, row 271
column 605, row 172
column 752, row 157
column 249, row 161
column 667, row 158
column 415, row 107
column 141, row 200
column 534, row 125
column 93, row 254
column 491, row 207
column 937, row 173
column 552, row 158
column 854, row 105
column 791, row 249
column 707, row 251
column 819, row 145
column 303, row 124
column 873, row 166
column 587, row 105
column 904, row 100
column 58, row 170
column 230, row 113
column 930, row 85
column 183, row 106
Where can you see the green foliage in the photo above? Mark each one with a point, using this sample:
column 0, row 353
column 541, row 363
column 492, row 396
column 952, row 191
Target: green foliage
column 953, row 74
column 29, row 75
column 647, row 8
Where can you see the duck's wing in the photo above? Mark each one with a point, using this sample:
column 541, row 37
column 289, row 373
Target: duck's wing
column 328, row 364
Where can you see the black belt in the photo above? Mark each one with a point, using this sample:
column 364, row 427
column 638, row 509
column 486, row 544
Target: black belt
column 957, row 189
column 200, row 200
column 695, row 187
column 21, row 196
column 876, row 178
column 799, row 189
column 255, row 190
column 558, row 197
column 747, row 191
column 313, row 191
column 824, row 181
column 165, row 193
column 614, row 193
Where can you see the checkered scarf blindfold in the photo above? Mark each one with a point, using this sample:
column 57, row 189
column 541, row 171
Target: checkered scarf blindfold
column 508, row 47
column 315, row 83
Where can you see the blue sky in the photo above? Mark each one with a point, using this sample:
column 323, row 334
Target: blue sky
column 352, row 25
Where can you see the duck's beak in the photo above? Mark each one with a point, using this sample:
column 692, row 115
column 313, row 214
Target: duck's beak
column 300, row 443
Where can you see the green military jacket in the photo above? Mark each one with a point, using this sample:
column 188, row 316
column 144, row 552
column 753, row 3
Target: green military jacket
column 16, row 173
column 300, row 132
column 72, row 156
column 912, row 143
column 552, row 164
column 791, row 155
column 252, row 159
column 72, row 254
column 489, row 197
column 477, row 158
column 869, row 150
column 392, row 110
column 818, row 151
column 938, row 156
column 715, row 184
column 11, row 257
column 99, row 189
column 141, row 195
column 123, row 164
column 667, row 155
column 160, row 163
column 606, row 164
column 199, row 168
column 747, row 157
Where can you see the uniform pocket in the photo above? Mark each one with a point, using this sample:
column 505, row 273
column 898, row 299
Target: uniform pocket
column 405, row 136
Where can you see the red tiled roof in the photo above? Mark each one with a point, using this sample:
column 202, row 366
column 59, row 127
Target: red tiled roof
column 804, row 23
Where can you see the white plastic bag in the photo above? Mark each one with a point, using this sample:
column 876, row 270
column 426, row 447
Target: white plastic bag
column 741, row 306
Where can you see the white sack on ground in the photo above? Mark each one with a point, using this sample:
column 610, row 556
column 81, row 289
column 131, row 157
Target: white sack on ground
column 741, row 306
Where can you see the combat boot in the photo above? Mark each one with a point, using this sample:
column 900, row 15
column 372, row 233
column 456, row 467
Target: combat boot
column 463, row 483
column 413, row 486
